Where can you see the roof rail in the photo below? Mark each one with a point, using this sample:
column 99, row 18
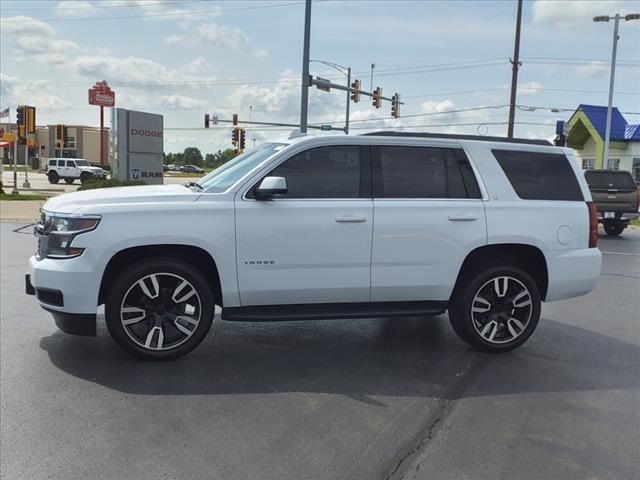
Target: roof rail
column 455, row 136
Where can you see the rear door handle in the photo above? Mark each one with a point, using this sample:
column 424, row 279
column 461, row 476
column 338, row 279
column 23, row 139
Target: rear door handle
column 462, row 217
column 350, row 219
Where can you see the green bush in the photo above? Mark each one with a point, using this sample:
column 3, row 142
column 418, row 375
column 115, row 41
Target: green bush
column 112, row 182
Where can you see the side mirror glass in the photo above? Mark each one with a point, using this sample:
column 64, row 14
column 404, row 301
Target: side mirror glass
column 270, row 187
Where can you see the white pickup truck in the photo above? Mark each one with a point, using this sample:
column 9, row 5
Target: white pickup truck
column 384, row 224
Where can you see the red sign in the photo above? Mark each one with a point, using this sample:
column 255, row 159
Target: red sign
column 102, row 95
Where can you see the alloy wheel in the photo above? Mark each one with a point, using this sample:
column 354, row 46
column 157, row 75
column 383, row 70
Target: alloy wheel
column 160, row 311
column 501, row 310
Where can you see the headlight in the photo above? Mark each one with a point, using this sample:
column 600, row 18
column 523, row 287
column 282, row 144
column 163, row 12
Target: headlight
column 56, row 233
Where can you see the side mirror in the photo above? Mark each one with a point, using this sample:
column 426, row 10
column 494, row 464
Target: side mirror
column 270, row 187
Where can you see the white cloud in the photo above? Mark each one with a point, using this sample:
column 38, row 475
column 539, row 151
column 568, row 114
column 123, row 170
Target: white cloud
column 31, row 92
column 261, row 54
column 75, row 8
column 593, row 70
column 25, row 26
column 212, row 34
column 136, row 70
column 575, row 12
column 530, row 88
column 180, row 101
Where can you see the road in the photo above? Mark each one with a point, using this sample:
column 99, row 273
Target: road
column 347, row 399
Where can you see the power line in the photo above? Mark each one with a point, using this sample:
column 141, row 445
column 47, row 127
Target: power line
column 149, row 15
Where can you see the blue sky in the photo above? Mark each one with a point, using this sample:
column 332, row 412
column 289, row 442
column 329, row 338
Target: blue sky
column 449, row 60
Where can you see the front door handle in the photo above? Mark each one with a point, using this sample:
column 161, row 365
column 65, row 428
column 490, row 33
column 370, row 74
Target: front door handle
column 350, row 219
column 462, row 217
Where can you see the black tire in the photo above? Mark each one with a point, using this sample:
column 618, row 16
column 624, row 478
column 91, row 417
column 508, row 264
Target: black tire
column 84, row 177
column 69, row 181
column 53, row 177
column 614, row 229
column 160, row 313
column 508, row 323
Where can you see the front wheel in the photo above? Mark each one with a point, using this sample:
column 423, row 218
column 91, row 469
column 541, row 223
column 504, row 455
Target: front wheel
column 614, row 229
column 496, row 310
column 159, row 309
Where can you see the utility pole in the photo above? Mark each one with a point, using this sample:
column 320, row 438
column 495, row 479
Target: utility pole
column 304, row 98
column 373, row 65
column 514, row 77
column 607, row 135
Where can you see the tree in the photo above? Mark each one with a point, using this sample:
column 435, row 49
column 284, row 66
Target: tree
column 192, row 156
column 214, row 160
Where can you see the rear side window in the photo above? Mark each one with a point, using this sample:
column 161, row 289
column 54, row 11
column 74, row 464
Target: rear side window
column 52, row 163
column 539, row 176
column 610, row 180
column 61, row 163
column 423, row 172
column 70, row 163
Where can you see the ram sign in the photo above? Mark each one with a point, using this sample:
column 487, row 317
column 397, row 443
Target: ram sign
column 138, row 145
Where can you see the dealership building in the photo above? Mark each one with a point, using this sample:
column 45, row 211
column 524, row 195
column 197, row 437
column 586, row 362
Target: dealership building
column 82, row 142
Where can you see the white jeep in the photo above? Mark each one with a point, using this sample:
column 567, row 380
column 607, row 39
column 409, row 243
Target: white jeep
column 375, row 225
column 71, row 169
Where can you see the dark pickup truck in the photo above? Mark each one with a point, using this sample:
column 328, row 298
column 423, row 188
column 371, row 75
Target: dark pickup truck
column 616, row 196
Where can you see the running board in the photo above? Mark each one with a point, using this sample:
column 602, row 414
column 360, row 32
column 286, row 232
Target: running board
column 318, row 311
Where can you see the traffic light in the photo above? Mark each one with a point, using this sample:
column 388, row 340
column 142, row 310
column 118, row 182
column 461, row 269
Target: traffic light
column 235, row 119
column 206, row 120
column 31, row 119
column 65, row 135
column 377, row 100
column 242, row 139
column 20, row 115
column 395, row 106
column 355, row 96
column 59, row 129
column 234, row 136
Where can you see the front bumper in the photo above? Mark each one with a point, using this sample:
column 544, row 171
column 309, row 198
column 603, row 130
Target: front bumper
column 67, row 289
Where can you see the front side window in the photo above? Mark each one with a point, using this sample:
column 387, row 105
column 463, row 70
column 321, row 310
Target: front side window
column 61, row 163
column 322, row 172
column 423, row 172
column 82, row 163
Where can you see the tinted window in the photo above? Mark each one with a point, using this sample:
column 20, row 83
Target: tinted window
column 539, row 176
column 61, row 163
column 423, row 172
column 607, row 180
column 70, row 163
column 323, row 172
column 52, row 163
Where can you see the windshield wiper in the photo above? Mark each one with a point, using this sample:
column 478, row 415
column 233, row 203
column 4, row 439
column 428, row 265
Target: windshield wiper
column 194, row 184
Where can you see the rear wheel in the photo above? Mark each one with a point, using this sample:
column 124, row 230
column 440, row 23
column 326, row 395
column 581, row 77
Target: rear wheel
column 53, row 177
column 614, row 229
column 68, row 181
column 496, row 310
column 160, row 309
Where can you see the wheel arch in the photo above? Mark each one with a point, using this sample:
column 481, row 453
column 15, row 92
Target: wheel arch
column 195, row 256
column 528, row 257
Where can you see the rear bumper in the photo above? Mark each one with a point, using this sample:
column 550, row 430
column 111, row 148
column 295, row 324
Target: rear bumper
column 624, row 217
column 572, row 272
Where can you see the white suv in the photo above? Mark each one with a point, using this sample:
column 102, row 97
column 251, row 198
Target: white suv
column 70, row 169
column 326, row 227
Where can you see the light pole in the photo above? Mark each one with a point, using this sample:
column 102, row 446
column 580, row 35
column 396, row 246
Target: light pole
column 616, row 18
column 345, row 71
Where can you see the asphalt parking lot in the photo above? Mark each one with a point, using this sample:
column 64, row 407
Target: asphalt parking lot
column 345, row 399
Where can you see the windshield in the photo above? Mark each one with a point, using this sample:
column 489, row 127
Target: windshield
column 82, row 163
column 610, row 180
column 226, row 175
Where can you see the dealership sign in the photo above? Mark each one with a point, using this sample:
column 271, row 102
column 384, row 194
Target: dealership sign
column 102, row 95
